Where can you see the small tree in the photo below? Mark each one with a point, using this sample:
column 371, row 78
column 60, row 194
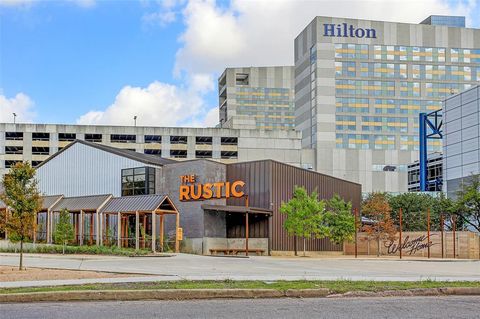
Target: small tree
column 23, row 200
column 376, row 208
column 339, row 220
column 467, row 205
column 304, row 215
column 64, row 230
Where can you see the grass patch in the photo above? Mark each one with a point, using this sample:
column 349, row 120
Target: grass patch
column 86, row 250
column 335, row 286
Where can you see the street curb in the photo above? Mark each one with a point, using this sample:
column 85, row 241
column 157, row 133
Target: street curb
column 465, row 291
column 192, row 294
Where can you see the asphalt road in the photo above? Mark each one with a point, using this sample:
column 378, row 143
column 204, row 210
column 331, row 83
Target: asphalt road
column 371, row 308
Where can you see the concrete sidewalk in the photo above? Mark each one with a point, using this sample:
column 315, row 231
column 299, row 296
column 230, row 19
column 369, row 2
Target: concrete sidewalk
column 194, row 267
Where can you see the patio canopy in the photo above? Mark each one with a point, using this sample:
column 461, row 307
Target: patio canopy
column 237, row 209
column 82, row 203
column 140, row 203
column 48, row 202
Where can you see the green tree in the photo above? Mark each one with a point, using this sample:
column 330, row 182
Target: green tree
column 23, row 199
column 339, row 220
column 304, row 215
column 414, row 207
column 467, row 204
column 376, row 208
column 64, row 230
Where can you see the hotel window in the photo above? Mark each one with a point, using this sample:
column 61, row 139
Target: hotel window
column 10, row 164
column 351, row 51
column 40, row 136
column 14, row 136
column 178, row 140
column 138, row 181
column 410, row 89
column 346, row 69
column 152, row 152
column 123, row 138
column 229, row 154
column 178, row 153
column 229, row 141
column 351, row 105
column 203, row 140
column 153, row 139
column 94, row 138
column 40, row 150
column 203, row 154
column 346, row 122
column 13, row 149
column 66, row 137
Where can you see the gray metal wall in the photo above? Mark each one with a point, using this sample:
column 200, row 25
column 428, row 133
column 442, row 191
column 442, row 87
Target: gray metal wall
column 461, row 143
column 83, row 170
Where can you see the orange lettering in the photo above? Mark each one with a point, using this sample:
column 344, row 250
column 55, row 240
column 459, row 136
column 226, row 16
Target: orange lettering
column 184, row 191
column 236, row 193
column 199, row 191
column 218, row 189
column 207, row 191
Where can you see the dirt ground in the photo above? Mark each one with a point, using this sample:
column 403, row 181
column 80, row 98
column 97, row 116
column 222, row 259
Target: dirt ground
column 9, row 273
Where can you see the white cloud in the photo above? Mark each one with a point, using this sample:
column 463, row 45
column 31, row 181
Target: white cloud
column 261, row 32
column 166, row 12
column 159, row 104
column 21, row 104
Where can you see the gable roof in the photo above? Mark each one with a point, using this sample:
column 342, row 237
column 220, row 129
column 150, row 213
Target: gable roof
column 140, row 203
column 139, row 157
column 49, row 201
column 85, row 203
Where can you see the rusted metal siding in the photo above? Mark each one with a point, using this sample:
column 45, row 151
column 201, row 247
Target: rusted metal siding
column 270, row 183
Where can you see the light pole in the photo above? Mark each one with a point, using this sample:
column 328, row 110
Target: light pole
column 14, row 118
column 135, row 121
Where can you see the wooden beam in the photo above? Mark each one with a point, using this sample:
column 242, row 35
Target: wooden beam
column 154, row 230
column 119, row 229
column 161, row 232
column 137, row 230
column 177, row 242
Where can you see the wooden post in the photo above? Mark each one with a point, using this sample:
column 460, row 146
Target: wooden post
column 454, row 226
column 82, row 226
column 48, row 227
column 400, row 236
column 35, row 219
column 356, row 232
column 119, row 229
column 177, row 226
column 428, row 232
column 441, row 233
column 246, row 225
column 161, row 232
column 144, row 228
column 90, row 242
column 137, row 230
column 154, row 231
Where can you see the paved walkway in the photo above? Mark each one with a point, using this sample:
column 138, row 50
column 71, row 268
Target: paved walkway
column 194, row 267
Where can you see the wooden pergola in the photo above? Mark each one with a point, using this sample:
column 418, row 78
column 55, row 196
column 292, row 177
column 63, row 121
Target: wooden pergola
column 48, row 202
column 140, row 206
column 83, row 208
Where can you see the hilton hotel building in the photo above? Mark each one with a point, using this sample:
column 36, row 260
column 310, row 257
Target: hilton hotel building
column 360, row 85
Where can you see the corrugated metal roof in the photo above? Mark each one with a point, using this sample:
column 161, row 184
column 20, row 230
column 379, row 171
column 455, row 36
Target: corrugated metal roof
column 141, row 203
column 236, row 209
column 87, row 203
column 144, row 158
column 48, row 201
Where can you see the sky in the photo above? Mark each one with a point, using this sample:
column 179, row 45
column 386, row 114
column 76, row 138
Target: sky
column 104, row 62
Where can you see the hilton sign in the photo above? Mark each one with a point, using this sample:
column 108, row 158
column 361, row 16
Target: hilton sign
column 347, row 31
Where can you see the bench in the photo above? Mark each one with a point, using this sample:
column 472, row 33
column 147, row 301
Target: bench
column 236, row 251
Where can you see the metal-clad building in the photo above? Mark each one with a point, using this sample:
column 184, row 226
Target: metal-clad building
column 88, row 168
column 271, row 183
column 461, row 150
column 210, row 224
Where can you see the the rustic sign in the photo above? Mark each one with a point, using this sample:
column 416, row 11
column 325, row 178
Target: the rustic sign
column 191, row 191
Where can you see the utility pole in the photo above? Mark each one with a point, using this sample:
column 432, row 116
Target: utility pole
column 135, row 121
column 14, row 118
